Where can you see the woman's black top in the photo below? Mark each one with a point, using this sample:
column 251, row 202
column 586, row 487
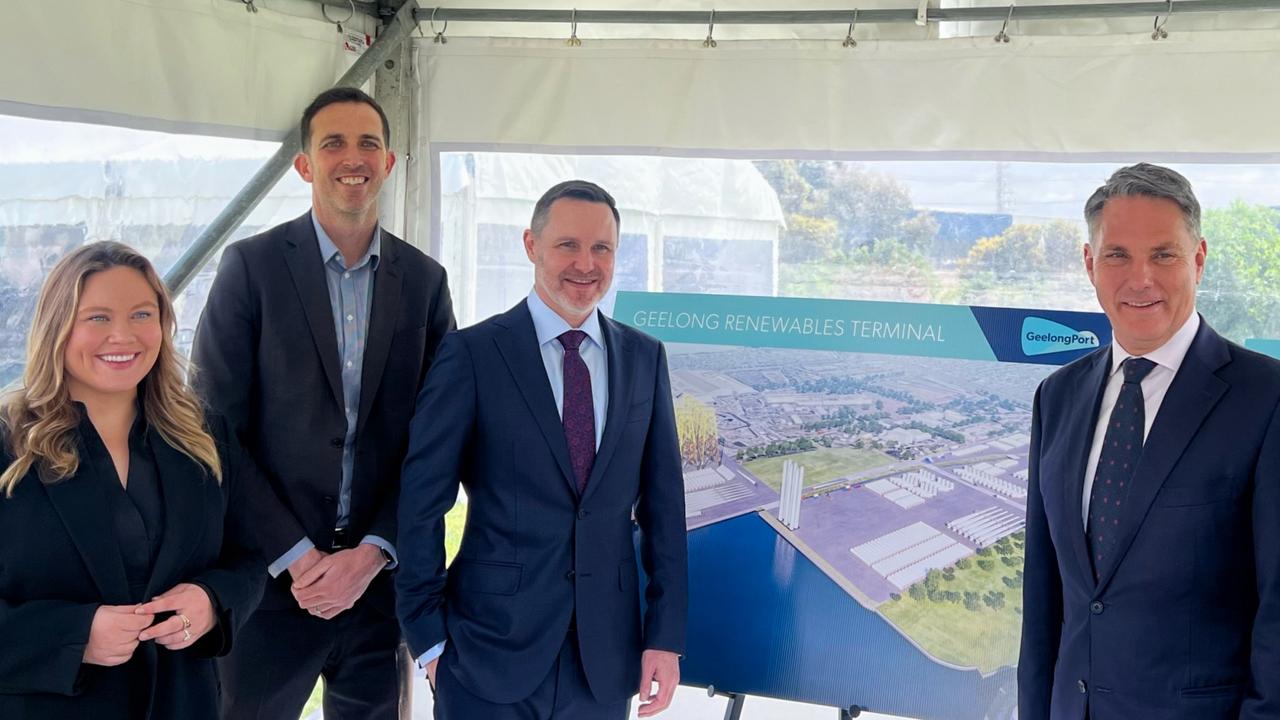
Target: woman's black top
column 137, row 508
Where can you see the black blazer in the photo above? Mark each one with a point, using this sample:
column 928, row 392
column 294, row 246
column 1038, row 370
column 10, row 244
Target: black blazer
column 58, row 565
column 266, row 357
column 534, row 553
column 1185, row 620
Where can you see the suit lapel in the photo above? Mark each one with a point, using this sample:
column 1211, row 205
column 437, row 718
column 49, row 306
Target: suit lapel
column 621, row 370
column 182, row 483
column 519, row 349
column 307, row 272
column 1192, row 395
column 81, row 502
column 1081, row 425
column 382, row 325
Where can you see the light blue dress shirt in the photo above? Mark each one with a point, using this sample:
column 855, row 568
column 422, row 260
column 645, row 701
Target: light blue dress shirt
column 548, row 326
column 350, row 296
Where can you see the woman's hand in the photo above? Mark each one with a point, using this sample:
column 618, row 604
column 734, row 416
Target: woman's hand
column 193, row 616
column 113, row 636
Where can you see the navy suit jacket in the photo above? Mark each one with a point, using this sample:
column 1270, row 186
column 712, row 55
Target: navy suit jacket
column 534, row 553
column 1185, row 621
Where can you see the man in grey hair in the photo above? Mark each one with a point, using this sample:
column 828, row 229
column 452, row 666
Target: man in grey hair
column 1152, row 580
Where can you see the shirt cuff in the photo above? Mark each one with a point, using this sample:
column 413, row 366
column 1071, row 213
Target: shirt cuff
column 375, row 540
column 283, row 562
column 431, row 654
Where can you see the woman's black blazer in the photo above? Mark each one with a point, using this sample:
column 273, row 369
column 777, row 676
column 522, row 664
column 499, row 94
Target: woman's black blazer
column 58, row 563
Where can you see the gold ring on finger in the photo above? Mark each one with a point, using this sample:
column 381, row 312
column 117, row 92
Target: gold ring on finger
column 186, row 635
column 186, row 621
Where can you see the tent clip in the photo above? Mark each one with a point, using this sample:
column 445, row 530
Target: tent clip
column 440, row 38
column 1003, row 35
column 710, row 42
column 849, row 42
column 1158, row 32
column 325, row 15
column 573, row 40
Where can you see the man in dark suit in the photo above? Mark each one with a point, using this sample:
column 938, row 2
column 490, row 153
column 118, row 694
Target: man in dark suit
column 558, row 421
column 316, row 337
column 1153, row 519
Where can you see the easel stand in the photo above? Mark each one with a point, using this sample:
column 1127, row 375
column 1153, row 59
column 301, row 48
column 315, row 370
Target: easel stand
column 737, row 700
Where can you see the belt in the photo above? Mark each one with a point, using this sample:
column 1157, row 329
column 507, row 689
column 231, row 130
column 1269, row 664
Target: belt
column 341, row 539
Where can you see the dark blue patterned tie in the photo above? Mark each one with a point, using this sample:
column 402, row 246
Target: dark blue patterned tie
column 1121, row 450
column 578, row 413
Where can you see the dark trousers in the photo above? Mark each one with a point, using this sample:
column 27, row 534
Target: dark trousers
column 278, row 655
column 562, row 695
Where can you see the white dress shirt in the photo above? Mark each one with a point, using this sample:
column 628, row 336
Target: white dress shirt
column 1168, row 358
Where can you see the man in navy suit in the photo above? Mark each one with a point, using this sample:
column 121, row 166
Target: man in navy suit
column 559, row 424
column 1153, row 518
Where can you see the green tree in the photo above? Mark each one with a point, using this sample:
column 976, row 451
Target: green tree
column 932, row 580
column 1027, row 249
column 835, row 210
column 809, row 239
column 1240, row 293
column 698, row 432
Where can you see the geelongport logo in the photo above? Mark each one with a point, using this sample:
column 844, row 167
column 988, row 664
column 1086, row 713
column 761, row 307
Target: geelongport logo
column 1042, row 337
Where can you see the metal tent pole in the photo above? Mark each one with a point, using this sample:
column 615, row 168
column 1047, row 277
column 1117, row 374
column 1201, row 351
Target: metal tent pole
column 394, row 32
column 841, row 17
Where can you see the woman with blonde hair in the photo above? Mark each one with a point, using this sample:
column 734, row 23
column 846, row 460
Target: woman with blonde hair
column 125, row 565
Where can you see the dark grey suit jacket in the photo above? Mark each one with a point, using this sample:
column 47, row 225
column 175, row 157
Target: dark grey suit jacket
column 266, row 357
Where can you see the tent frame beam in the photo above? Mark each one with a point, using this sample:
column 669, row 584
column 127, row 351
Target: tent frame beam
column 842, row 17
column 393, row 34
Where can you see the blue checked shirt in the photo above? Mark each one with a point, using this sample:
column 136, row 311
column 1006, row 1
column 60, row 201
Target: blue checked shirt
column 350, row 295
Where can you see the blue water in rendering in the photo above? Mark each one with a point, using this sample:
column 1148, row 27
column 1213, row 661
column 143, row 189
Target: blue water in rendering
column 764, row 620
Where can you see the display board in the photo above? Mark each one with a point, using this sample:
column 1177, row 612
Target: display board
column 855, row 492
column 1266, row 346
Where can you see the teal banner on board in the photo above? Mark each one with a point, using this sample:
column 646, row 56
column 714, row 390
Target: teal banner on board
column 885, row 328
column 804, row 324
column 1263, row 345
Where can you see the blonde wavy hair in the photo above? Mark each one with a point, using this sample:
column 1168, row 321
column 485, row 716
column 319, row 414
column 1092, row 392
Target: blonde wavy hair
column 38, row 417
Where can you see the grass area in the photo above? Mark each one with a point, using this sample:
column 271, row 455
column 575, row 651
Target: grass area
column 452, row 538
column 984, row 637
column 820, row 465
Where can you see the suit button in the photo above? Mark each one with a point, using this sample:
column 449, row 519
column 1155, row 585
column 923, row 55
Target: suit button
column 1082, row 687
column 329, row 500
column 583, row 513
column 1096, row 607
column 336, row 442
column 569, row 576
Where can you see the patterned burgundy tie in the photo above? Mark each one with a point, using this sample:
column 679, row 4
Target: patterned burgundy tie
column 578, row 414
column 1121, row 451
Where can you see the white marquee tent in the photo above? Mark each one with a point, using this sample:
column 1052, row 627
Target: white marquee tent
column 189, row 97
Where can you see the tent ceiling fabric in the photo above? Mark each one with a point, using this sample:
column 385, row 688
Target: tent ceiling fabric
column 208, row 66
column 199, row 66
column 1098, row 95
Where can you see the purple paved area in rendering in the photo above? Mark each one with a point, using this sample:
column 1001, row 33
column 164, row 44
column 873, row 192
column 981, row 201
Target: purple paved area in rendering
column 833, row 523
column 749, row 495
